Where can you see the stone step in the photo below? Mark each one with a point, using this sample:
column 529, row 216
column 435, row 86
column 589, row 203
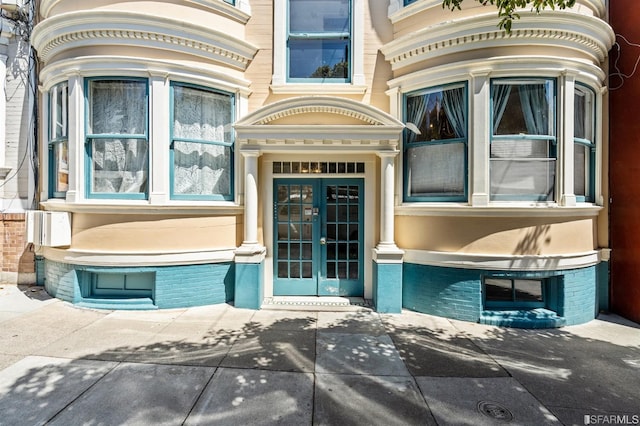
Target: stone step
column 316, row 303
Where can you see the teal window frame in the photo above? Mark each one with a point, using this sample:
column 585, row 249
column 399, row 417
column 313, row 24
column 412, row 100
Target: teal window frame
column 407, row 146
column 552, row 138
column 408, row 2
column 58, row 140
column 230, row 144
column 134, row 284
column 231, row 2
column 514, row 302
column 590, row 144
column 90, row 137
column 320, row 36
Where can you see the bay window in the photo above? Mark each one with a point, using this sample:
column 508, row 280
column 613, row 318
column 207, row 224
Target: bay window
column 201, row 143
column 435, row 148
column 117, row 143
column 584, row 144
column 319, row 40
column 523, row 141
column 59, row 140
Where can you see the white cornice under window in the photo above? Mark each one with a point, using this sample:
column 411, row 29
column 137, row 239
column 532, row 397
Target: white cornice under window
column 582, row 33
column 88, row 28
column 241, row 12
column 512, row 209
column 143, row 207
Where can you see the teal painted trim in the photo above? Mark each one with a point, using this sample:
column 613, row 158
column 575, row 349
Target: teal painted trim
column 603, row 286
column 406, row 146
column 249, row 285
column 387, row 287
column 174, row 287
column 40, row 274
column 591, row 181
column 457, row 293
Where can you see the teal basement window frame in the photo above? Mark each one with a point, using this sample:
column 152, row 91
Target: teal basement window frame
column 584, row 131
column 112, row 285
column 202, row 143
column 514, row 292
column 435, row 144
column 58, row 134
column 319, row 41
column 117, row 143
column 523, row 146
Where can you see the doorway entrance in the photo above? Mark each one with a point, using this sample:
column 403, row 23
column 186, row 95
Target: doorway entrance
column 318, row 236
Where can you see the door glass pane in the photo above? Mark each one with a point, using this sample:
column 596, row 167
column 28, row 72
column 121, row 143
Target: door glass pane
column 294, row 252
column 307, row 270
column 342, row 270
column 283, row 270
column 342, row 232
column 307, row 251
column 294, row 271
column 353, row 270
column 283, row 231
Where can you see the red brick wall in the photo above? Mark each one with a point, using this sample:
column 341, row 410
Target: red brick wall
column 18, row 258
column 624, row 174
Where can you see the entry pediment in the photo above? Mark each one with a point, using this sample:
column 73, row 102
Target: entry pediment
column 322, row 121
column 319, row 110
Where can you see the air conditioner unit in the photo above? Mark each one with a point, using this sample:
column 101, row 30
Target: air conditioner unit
column 51, row 229
column 11, row 5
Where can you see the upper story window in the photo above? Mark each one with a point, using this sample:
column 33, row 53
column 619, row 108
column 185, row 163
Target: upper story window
column 408, row 2
column 435, row 148
column 59, row 140
column 523, row 141
column 319, row 41
column 201, row 143
column 117, row 143
column 584, row 144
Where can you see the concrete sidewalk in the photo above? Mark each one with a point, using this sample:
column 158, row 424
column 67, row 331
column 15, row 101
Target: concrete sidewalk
column 220, row 365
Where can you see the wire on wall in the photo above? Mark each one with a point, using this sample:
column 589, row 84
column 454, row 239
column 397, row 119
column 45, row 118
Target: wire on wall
column 617, row 74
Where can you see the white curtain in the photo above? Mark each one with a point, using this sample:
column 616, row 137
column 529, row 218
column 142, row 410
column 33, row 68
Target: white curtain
column 120, row 165
column 201, row 168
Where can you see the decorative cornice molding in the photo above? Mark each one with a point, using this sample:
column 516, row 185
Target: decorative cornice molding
column 88, row 28
column 586, row 34
column 105, row 65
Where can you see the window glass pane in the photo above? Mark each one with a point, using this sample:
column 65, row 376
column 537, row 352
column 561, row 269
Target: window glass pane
column 117, row 107
column 434, row 170
column 528, row 290
column 319, row 58
column 521, row 148
column 201, row 169
column 523, row 108
column 581, row 168
column 59, row 111
column 201, row 114
column 119, row 165
column 529, row 179
column 437, row 115
column 315, row 16
column 498, row 290
column 61, row 166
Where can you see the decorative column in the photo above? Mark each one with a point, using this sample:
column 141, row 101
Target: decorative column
column 480, row 129
column 249, row 257
column 565, row 143
column 75, row 191
column 387, row 257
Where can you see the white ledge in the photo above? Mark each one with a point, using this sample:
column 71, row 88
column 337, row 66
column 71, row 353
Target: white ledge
column 131, row 259
column 497, row 210
column 143, row 207
column 503, row 262
column 318, row 89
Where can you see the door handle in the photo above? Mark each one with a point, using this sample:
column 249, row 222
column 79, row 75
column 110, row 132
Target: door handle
column 323, row 241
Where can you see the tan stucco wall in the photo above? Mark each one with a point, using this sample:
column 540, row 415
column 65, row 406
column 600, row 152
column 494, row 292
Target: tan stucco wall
column 154, row 233
column 497, row 235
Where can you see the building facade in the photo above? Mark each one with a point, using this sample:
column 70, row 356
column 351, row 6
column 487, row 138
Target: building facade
column 625, row 237
column 208, row 151
column 18, row 162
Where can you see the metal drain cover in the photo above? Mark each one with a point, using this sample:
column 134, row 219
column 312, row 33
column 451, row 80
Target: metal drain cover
column 495, row 411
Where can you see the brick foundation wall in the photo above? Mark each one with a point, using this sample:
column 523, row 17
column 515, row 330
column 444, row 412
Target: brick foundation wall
column 18, row 257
